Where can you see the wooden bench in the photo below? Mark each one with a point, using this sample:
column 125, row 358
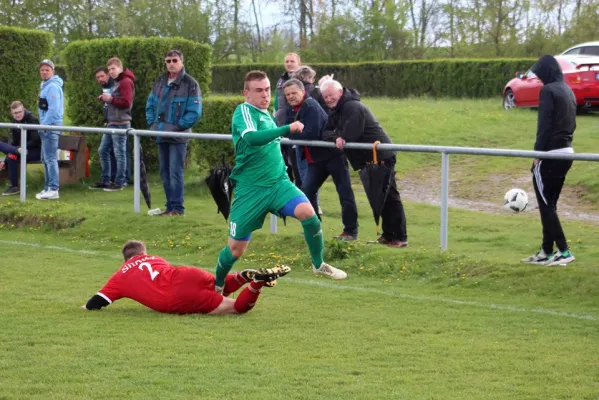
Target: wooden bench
column 69, row 171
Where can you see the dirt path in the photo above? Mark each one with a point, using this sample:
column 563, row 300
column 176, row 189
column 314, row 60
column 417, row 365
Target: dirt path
column 425, row 187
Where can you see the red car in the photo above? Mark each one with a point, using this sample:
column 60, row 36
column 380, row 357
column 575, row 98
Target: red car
column 580, row 73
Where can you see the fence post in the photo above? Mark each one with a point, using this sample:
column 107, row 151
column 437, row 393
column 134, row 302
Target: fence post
column 136, row 173
column 23, row 166
column 273, row 223
column 444, row 198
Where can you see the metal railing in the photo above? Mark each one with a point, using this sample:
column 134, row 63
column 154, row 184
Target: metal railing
column 445, row 151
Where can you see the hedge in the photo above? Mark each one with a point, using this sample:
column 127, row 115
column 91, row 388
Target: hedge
column 145, row 57
column 435, row 78
column 21, row 51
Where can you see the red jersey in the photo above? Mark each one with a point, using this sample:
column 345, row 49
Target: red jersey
column 156, row 284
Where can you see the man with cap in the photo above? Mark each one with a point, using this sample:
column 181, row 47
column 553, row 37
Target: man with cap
column 51, row 108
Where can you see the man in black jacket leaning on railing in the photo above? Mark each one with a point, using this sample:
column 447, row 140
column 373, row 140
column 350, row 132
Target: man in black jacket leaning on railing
column 321, row 161
column 350, row 121
column 13, row 149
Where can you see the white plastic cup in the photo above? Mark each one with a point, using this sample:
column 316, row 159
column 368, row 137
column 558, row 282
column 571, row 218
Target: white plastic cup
column 154, row 211
column 105, row 91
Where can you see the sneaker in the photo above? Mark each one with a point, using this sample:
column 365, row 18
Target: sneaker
column 114, row 188
column 347, row 237
column 49, row 195
column 11, row 190
column 397, row 243
column 383, row 240
column 270, row 275
column 171, row 214
column 560, row 258
column 330, row 271
column 541, row 258
column 319, row 211
column 40, row 194
column 99, row 185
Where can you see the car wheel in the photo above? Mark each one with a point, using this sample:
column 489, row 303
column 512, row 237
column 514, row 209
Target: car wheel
column 509, row 101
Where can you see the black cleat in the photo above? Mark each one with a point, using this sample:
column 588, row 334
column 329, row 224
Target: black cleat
column 270, row 275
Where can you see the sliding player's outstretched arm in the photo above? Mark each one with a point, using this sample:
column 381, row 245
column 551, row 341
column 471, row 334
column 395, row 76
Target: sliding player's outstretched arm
column 109, row 293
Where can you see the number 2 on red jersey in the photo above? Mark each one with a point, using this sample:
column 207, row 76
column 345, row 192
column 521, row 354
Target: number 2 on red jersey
column 153, row 274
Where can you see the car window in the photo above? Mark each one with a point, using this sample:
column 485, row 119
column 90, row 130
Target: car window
column 573, row 51
column 591, row 50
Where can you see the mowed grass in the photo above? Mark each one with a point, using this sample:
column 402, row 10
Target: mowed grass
column 471, row 323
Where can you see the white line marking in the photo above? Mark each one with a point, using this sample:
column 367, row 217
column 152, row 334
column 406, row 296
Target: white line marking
column 502, row 307
column 330, row 285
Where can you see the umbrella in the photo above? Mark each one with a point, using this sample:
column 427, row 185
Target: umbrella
column 376, row 179
column 143, row 181
column 220, row 187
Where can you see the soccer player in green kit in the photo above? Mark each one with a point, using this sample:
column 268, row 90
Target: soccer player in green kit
column 261, row 181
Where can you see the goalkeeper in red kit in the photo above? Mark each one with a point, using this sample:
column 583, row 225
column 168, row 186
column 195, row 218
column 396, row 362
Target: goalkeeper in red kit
column 156, row 284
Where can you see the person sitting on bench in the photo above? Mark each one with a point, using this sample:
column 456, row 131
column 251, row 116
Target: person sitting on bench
column 13, row 149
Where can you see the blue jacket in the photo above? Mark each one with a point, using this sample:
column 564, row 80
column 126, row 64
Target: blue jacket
column 314, row 118
column 174, row 108
column 51, row 105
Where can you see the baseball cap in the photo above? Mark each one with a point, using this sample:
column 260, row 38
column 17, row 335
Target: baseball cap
column 48, row 63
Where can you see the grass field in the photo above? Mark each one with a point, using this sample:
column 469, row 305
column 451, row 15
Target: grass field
column 471, row 323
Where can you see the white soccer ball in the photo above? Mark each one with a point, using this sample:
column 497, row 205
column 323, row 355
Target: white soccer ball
column 515, row 200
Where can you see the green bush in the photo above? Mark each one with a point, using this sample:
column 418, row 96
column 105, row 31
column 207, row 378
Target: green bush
column 61, row 71
column 145, row 57
column 21, row 51
column 218, row 112
column 436, row 78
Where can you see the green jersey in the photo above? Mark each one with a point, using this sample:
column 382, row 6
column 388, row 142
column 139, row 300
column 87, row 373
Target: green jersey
column 257, row 165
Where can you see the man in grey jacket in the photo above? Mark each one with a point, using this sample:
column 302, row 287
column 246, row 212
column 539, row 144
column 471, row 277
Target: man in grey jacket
column 174, row 105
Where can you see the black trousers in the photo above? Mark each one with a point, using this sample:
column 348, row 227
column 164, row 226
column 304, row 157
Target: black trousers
column 393, row 215
column 338, row 169
column 548, row 178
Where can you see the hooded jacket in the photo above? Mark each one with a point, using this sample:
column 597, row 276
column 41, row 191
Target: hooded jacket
column 33, row 138
column 314, row 118
column 174, row 107
column 353, row 121
column 282, row 114
column 51, row 104
column 123, row 93
column 557, row 107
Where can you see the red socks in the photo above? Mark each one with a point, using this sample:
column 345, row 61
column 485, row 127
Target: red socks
column 248, row 297
column 232, row 283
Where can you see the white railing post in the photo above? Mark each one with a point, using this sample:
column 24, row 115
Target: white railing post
column 23, row 169
column 444, row 199
column 273, row 223
column 136, row 173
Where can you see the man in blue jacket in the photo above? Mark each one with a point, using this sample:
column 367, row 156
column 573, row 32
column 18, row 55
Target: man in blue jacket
column 174, row 105
column 51, row 108
column 322, row 161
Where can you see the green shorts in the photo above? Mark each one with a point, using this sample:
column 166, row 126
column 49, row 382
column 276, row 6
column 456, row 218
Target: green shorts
column 251, row 204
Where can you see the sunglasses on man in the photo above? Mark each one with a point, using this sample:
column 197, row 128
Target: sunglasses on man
column 172, row 60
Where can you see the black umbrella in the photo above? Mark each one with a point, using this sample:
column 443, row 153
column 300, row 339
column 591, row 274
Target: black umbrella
column 220, row 187
column 376, row 179
column 143, row 181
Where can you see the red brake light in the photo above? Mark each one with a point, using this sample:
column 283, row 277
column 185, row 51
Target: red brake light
column 575, row 79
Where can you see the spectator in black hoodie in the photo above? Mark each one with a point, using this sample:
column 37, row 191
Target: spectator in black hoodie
column 13, row 149
column 352, row 121
column 555, row 129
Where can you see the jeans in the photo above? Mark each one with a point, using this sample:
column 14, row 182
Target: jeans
column 302, row 166
column 116, row 143
column 49, row 149
column 127, row 160
column 338, row 169
column 172, row 160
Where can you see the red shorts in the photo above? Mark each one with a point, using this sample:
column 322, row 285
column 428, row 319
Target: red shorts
column 193, row 292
